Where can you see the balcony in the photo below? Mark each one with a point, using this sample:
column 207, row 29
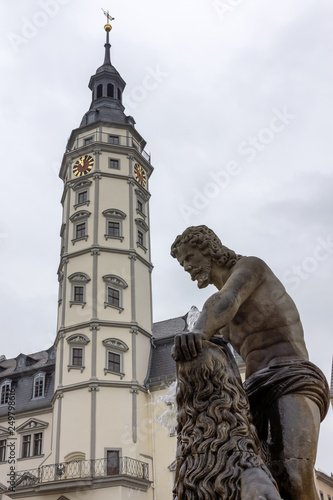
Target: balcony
column 125, row 472
column 107, row 138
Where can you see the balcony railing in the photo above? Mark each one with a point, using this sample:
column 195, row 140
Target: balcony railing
column 82, row 469
column 115, row 139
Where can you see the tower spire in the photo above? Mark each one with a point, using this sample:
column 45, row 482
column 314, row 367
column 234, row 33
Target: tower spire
column 108, row 28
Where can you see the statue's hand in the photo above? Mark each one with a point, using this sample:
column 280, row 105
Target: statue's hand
column 187, row 346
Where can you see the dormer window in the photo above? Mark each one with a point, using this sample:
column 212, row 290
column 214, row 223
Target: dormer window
column 39, row 385
column 5, row 392
column 99, row 91
column 110, row 90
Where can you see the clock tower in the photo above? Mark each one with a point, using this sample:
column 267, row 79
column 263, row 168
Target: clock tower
column 105, row 310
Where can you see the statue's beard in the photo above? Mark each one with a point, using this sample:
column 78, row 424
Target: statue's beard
column 203, row 276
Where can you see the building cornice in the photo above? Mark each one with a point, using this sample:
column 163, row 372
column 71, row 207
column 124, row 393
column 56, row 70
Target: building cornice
column 130, row 253
column 98, row 324
column 85, row 484
column 29, row 414
column 96, row 384
column 325, row 478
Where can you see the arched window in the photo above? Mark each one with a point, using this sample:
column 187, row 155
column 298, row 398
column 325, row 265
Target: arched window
column 110, row 90
column 5, row 391
column 119, row 94
column 39, row 385
column 99, row 91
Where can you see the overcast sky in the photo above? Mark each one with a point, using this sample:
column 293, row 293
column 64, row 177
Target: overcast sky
column 234, row 99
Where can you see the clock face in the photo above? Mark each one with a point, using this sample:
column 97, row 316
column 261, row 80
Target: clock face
column 83, row 165
column 140, row 175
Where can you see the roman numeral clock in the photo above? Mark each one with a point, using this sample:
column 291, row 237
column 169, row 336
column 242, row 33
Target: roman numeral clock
column 140, row 175
column 83, row 165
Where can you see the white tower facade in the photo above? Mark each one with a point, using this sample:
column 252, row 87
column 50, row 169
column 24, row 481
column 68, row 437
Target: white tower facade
column 105, row 309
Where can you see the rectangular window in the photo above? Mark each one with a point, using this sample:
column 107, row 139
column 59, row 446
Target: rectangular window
column 88, row 140
column 80, row 230
column 112, row 461
column 78, row 294
column 113, row 228
column 38, row 439
column 5, row 391
column 3, row 450
column 114, row 139
column 77, row 356
column 139, row 206
column 39, row 387
column 114, row 362
column 82, row 197
column 113, row 297
column 140, row 238
column 26, row 446
column 113, row 163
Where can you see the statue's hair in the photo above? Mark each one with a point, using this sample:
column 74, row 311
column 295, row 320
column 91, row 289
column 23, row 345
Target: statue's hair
column 205, row 240
column 216, row 437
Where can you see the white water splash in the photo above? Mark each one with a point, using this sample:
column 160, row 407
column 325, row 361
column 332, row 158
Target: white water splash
column 192, row 317
column 169, row 417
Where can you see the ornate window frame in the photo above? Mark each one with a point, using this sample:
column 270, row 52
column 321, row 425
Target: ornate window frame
column 142, row 197
column 6, row 393
column 114, row 215
column 116, row 283
column 115, row 346
column 77, row 341
column 80, row 187
column 31, row 428
column 78, row 279
column 80, row 218
column 39, row 375
column 143, row 228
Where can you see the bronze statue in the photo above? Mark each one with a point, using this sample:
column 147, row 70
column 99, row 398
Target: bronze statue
column 219, row 455
column 288, row 395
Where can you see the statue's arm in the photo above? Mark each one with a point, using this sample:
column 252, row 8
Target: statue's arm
column 219, row 310
column 221, row 307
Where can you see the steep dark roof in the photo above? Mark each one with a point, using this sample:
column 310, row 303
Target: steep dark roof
column 162, row 368
column 169, row 327
column 20, row 371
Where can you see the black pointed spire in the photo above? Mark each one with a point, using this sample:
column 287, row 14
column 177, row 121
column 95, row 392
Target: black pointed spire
column 107, row 58
column 107, row 88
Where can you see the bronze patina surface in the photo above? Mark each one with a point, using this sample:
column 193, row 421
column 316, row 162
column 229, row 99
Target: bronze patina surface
column 289, row 396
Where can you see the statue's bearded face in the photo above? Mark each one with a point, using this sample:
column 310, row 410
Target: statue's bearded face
column 196, row 264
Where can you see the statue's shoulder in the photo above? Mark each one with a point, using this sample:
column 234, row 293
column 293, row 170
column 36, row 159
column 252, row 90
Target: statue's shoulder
column 251, row 262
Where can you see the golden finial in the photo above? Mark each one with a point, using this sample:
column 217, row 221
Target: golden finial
column 108, row 26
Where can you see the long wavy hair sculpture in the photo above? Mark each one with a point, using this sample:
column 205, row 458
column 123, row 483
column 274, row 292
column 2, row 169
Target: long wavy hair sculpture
column 217, row 441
